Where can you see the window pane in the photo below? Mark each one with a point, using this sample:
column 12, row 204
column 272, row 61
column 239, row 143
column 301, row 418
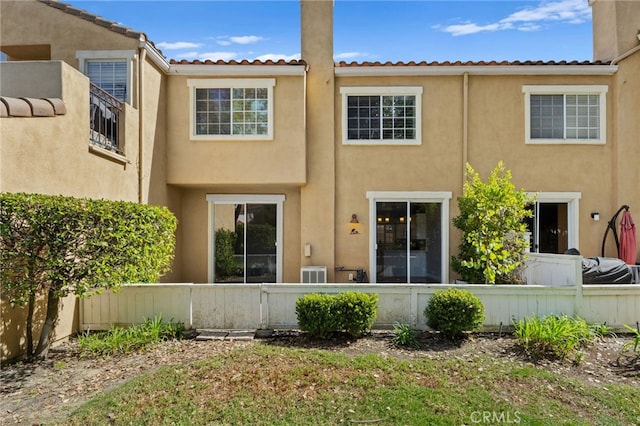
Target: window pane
column 110, row 76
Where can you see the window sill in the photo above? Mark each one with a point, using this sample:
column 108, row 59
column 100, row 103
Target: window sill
column 564, row 142
column 109, row 155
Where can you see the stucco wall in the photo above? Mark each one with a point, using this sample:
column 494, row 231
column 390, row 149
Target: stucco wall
column 281, row 160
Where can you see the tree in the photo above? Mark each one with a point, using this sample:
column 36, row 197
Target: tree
column 492, row 221
column 53, row 246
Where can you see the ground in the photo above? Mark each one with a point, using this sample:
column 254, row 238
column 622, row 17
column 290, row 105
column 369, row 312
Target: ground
column 49, row 390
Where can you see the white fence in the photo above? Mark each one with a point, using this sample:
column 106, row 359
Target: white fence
column 554, row 286
column 272, row 306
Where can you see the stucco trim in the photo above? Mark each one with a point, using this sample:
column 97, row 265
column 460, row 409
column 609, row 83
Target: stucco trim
column 108, row 154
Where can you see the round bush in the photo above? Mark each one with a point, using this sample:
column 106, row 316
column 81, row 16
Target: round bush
column 453, row 311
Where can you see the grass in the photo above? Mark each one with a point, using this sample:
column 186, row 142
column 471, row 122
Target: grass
column 264, row 384
column 125, row 340
column 556, row 336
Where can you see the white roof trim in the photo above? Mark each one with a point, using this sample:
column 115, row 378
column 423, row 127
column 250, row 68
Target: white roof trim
column 418, row 70
column 216, row 70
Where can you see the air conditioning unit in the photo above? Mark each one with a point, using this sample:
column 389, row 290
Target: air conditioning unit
column 313, row 274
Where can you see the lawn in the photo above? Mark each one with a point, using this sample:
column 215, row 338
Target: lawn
column 271, row 384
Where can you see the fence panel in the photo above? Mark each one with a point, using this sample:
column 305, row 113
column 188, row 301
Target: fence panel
column 226, row 306
column 134, row 303
column 615, row 304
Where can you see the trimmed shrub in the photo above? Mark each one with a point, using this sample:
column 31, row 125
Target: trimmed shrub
column 356, row 311
column 321, row 315
column 454, row 311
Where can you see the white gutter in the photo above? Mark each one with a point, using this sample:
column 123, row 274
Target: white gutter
column 224, row 70
column 428, row 70
column 155, row 56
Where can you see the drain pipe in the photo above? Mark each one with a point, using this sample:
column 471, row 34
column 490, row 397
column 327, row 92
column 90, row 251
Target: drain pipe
column 465, row 124
column 142, row 58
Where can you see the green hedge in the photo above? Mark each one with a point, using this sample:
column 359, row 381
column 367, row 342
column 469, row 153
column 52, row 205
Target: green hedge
column 321, row 315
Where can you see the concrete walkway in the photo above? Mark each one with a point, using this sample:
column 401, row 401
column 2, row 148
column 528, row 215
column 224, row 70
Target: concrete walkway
column 206, row 334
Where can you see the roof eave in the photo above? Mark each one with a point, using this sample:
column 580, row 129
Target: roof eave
column 222, row 70
column 389, row 71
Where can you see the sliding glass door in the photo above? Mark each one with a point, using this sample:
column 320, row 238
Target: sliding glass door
column 245, row 238
column 411, row 237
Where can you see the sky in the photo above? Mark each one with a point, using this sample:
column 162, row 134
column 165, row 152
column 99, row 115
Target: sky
column 364, row 30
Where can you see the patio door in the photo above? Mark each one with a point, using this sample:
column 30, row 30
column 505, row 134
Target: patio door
column 411, row 236
column 554, row 224
column 245, row 238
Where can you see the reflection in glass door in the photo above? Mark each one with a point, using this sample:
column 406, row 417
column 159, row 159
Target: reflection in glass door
column 245, row 240
column 408, row 242
column 549, row 227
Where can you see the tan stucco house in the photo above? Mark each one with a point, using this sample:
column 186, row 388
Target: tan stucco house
column 313, row 162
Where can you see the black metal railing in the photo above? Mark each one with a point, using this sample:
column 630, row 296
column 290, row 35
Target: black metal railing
column 105, row 113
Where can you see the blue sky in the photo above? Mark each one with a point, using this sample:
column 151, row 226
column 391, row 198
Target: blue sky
column 364, row 30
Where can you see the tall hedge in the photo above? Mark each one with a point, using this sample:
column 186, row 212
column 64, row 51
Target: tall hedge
column 53, row 246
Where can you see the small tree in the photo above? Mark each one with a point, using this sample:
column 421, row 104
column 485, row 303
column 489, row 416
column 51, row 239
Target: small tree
column 492, row 222
column 53, row 246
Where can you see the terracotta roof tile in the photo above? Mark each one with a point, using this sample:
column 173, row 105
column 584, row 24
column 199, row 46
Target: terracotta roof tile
column 466, row 63
column 234, row 62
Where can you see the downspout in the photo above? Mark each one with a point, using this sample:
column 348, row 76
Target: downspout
column 143, row 56
column 465, row 124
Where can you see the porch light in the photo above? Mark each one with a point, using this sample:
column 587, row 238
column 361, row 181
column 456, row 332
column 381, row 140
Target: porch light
column 595, row 216
column 354, row 224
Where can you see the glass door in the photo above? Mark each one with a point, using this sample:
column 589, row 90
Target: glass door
column 408, row 242
column 245, row 239
column 549, row 227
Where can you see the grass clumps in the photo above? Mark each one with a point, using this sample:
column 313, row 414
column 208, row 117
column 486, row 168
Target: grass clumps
column 555, row 336
column 124, row 340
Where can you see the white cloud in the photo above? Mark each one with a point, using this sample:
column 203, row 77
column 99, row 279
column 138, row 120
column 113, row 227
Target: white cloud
column 568, row 11
column 177, row 45
column 349, row 55
column 215, row 56
column 228, row 40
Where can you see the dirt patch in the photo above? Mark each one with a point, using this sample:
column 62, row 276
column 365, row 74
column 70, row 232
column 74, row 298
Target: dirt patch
column 49, row 390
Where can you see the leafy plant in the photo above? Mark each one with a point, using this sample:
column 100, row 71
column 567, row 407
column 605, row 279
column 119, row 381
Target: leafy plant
column 126, row 340
column 321, row 315
column 632, row 347
column 226, row 265
column 404, row 335
column 52, row 246
column 491, row 219
column 453, row 311
column 554, row 336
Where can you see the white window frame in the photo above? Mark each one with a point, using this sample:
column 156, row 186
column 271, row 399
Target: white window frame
column 573, row 213
column 128, row 56
column 442, row 197
column 238, row 83
column 600, row 90
column 382, row 91
column 277, row 199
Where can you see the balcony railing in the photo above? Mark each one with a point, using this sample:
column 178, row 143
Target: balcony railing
column 105, row 112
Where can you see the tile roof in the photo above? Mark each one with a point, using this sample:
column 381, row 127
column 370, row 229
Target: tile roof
column 113, row 26
column 240, row 62
column 344, row 64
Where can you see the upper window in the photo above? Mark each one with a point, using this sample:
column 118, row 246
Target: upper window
column 232, row 108
column 381, row 115
column 565, row 114
column 110, row 70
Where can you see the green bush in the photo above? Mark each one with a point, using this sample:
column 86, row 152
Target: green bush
column 453, row 311
column 52, row 246
column 321, row 315
column 553, row 336
column 226, row 264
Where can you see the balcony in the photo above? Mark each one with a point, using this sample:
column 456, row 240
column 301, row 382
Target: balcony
column 105, row 113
